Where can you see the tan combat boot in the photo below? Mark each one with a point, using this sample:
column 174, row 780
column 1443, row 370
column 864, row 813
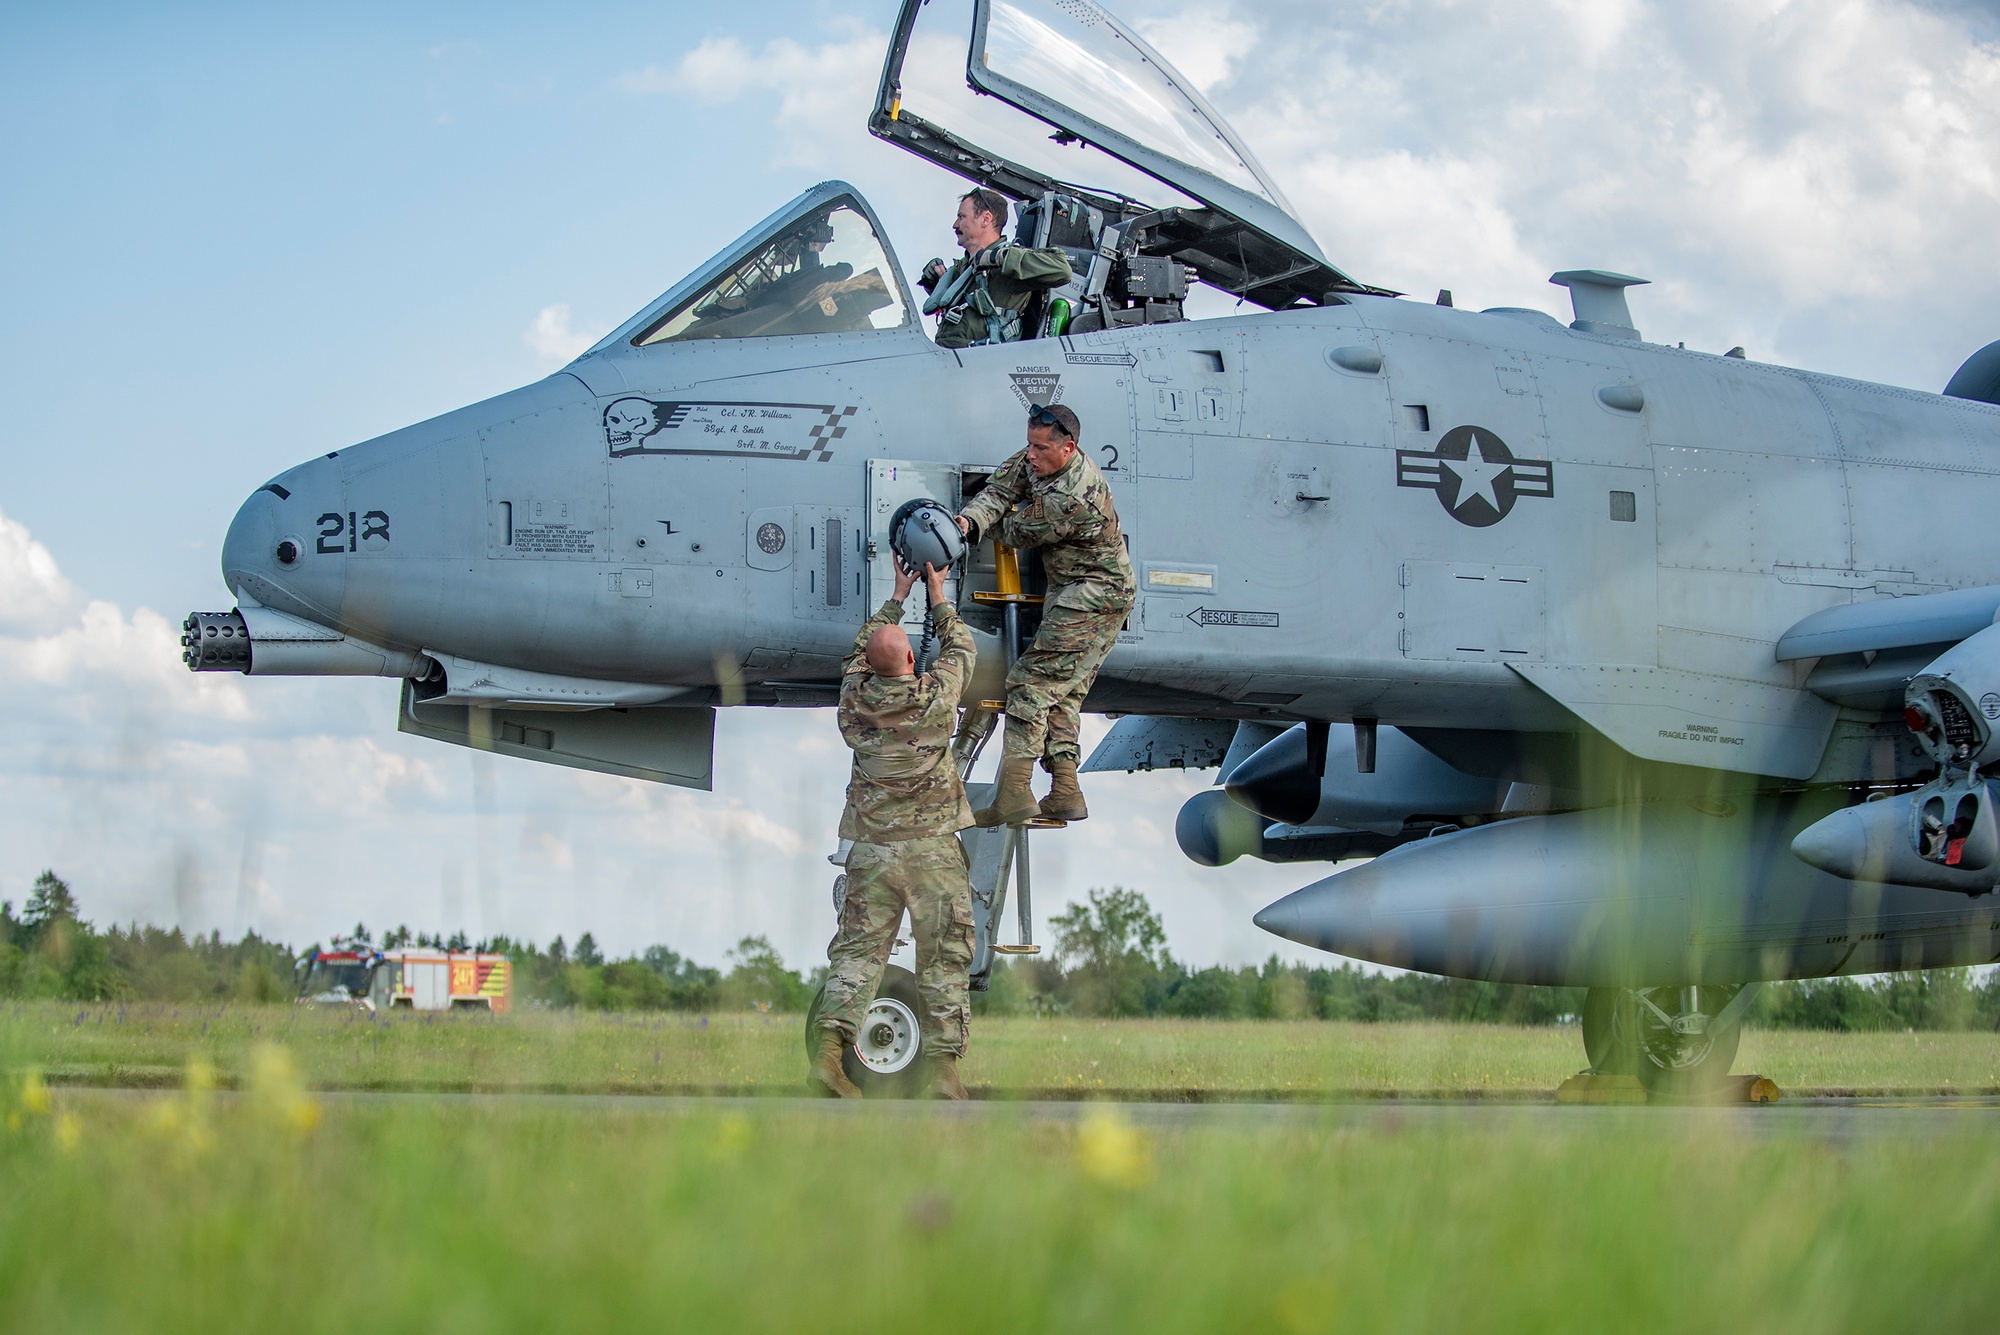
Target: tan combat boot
column 826, row 1067
column 1065, row 799
column 944, row 1077
column 1013, row 801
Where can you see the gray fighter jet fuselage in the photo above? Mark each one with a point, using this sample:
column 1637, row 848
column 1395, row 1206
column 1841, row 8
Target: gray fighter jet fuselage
column 1462, row 536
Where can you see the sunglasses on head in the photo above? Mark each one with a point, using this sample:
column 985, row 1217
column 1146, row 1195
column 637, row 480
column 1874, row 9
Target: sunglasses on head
column 1040, row 416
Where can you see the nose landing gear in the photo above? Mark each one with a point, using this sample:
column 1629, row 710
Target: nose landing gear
column 883, row 1058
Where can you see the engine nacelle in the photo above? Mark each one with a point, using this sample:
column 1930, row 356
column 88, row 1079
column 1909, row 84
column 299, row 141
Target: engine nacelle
column 1278, row 782
column 1953, row 705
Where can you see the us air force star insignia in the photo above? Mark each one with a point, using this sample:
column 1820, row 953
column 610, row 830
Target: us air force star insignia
column 1476, row 477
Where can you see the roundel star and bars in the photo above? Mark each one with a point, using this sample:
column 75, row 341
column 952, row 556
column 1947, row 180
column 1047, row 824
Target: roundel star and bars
column 1476, row 477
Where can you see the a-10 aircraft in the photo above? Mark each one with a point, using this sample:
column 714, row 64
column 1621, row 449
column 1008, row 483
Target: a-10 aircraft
column 1667, row 673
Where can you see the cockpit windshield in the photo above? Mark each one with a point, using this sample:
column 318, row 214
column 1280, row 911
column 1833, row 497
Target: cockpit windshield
column 824, row 272
column 1073, row 51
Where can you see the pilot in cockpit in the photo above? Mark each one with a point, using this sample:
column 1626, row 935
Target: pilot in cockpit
column 980, row 298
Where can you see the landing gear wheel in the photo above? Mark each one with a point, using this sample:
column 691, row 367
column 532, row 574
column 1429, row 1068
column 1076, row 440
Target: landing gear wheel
column 1678, row 1056
column 1662, row 1043
column 886, row 1058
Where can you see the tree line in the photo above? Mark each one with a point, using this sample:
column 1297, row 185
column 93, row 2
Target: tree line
column 1109, row 958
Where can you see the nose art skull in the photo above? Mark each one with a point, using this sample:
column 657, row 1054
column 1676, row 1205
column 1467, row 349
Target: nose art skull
column 629, row 421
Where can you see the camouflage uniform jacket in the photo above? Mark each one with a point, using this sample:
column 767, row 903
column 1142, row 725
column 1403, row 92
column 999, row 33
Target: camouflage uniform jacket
column 1070, row 516
column 905, row 784
column 1013, row 275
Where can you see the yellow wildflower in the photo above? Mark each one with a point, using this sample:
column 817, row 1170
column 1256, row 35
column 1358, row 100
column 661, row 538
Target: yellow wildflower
column 1112, row 1150
column 34, row 1094
column 277, row 1094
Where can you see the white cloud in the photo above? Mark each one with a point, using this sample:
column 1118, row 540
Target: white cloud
column 33, row 593
column 554, row 341
column 1205, row 45
column 822, row 92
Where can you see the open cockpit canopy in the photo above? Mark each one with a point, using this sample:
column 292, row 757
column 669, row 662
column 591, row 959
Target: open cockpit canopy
column 1169, row 175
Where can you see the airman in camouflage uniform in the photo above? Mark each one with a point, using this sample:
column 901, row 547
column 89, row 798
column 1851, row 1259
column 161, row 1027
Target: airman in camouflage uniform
column 905, row 806
column 980, row 298
column 1051, row 496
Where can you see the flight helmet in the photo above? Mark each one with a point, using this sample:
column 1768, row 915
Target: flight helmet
column 923, row 532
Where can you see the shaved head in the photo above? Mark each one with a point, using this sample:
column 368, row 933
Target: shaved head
column 889, row 653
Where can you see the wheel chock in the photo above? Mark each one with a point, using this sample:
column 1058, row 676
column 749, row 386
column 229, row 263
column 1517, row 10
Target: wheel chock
column 1590, row 1087
column 1733, row 1090
column 1750, row 1089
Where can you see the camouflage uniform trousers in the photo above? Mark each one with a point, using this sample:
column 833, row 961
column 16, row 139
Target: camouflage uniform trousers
column 1046, row 685
column 928, row 877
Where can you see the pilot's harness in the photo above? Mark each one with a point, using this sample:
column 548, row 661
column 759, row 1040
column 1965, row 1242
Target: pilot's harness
column 969, row 290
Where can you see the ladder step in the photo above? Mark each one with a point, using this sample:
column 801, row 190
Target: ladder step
column 1044, row 823
column 1017, row 950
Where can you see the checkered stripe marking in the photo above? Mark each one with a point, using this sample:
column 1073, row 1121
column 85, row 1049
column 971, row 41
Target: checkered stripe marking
column 827, row 432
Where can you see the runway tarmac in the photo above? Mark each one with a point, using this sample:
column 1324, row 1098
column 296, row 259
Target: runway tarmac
column 1825, row 1118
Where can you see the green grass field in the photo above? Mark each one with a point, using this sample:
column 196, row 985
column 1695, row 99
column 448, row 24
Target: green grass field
column 142, row 1044
column 169, row 1212
column 279, row 1208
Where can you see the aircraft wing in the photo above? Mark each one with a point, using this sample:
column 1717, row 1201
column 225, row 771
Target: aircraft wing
column 1688, row 718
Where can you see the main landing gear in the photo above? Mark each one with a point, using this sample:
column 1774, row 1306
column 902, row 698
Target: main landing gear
column 1676, row 1040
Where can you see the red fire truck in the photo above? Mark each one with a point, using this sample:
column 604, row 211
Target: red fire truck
column 434, row 980
column 418, row 977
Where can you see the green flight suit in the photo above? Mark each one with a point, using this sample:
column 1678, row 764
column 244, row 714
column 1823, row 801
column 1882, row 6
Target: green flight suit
column 1012, row 275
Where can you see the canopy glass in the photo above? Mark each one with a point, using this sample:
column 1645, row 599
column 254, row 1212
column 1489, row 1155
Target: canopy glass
column 1078, row 55
column 822, row 272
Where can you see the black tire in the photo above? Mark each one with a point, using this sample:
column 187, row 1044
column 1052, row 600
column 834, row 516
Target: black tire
column 891, row 1034
column 1607, row 1036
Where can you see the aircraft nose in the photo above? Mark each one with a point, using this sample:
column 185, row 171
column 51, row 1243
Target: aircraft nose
column 250, row 546
column 270, row 554
column 1276, row 782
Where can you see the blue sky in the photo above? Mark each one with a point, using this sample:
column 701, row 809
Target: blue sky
column 235, row 237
